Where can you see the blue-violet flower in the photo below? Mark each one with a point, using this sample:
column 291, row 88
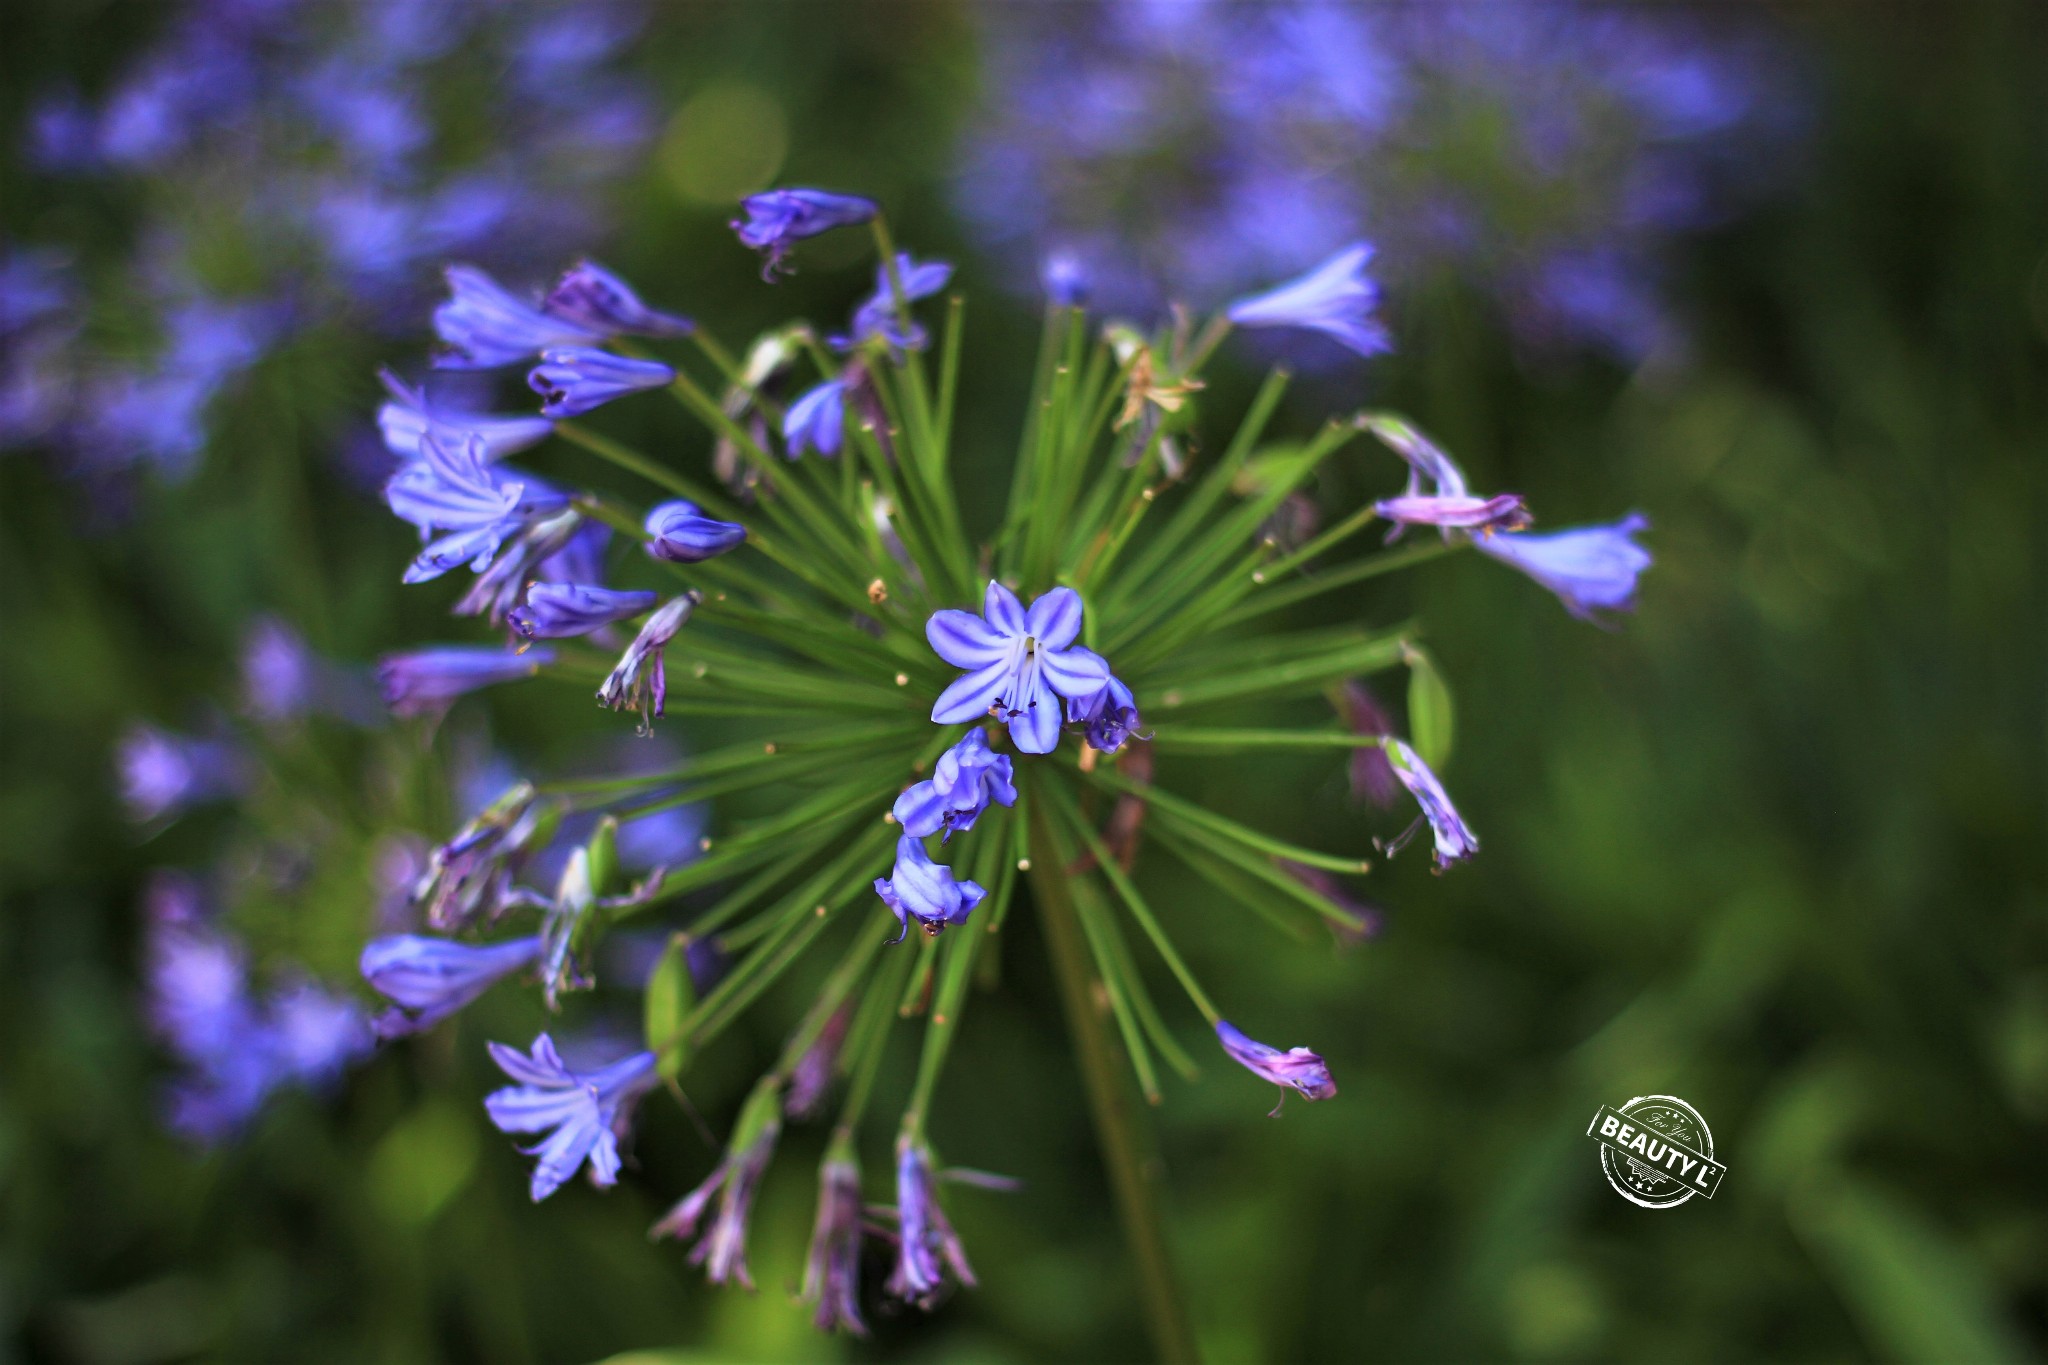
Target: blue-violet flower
column 592, row 297
column 424, row 681
column 572, row 380
column 682, row 534
column 816, row 420
column 640, row 681
column 1590, row 568
column 584, row 1114
column 926, row 1236
column 832, row 1267
column 428, row 979
column 920, row 889
column 1454, row 839
column 556, row 611
column 1337, row 298
column 1022, row 663
column 485, row 325
column 777, row 219
column 966, row 778
column 407, row 417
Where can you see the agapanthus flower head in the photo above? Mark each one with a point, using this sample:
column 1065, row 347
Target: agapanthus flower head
column 832, row 1266
column 1022, row 663
column 1297, row 1068
column 559, row 611
column 777, row 220
column 922, row 890
column 640, row 681
column 162, row 773
column 425, row 682
column 428, row 979
column 592, row 297
column 882, row 315
column 1454, row 839
column 965, row 780
column 1590, row 568
column 484, row 325
column 816, row 420
column 572, row 380
column 406, row 418
column 722, row 1250
column 1337, row 298
column 584, row 1114
column 679, row 532
column 928, row 1245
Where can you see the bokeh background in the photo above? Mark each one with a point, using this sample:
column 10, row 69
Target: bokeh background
column 1776, row 845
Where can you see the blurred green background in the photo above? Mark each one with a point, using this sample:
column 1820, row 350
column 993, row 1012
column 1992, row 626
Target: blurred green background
column 1776, row 846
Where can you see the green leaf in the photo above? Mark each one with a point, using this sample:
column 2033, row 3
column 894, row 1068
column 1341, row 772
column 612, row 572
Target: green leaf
column 604, row 855
column 1430, row 719
column 671, row 995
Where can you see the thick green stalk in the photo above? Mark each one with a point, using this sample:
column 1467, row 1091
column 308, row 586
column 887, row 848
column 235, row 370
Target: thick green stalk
column 1135, row 1172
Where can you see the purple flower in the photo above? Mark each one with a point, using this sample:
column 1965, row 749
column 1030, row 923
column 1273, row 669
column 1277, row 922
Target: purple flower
column 592, row 297
column 1372, row 776
column 484, row 325
column 879, row 315
column 1021, row 662
column 640, row 682
column 407, row 417
column 1590, row 568
column 1111, row 715
column 832, row 1267
column 777, row 219
column 426, row 681
column 816, row 420
column 682, row 534
column 572, row 380
column 557, row 611
column 722, row 1250
column 811, row 1078
column 1454, row 841
column 966, row 778
column 927, row 1238
column 470, row 877
column 1336, row 298
column 452, row 489
column 925, row 891
column 583, row 1114
column 428, row 979
column 283, row 679
column 162, row 773
column 1297, row 1067
column 548, row 541
column 1502, row 512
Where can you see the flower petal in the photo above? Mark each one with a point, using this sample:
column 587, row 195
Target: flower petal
column 972, row 694
column 964, row 640
column 1076, row 674
column 1035, row 718
column 1055, row 618
column 1003, row 611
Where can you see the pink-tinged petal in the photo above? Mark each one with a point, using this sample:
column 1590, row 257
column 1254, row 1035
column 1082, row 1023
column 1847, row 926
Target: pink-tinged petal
column 1076, row 674
column 971, row 695
column 1003, row 611
column 1055, row 618
column 964, row 640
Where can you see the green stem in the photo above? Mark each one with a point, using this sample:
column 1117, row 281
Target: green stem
column 1128, row 1150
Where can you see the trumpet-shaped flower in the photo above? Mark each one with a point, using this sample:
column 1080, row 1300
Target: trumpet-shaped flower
column 1454, row 839
column 557, row 611
column 1297, row 1068
column 965, row 779
column 583, row 1113
column 572, row 380
column 922, row 890
column 485, row 325
column 682, row 534
column 640, row 681
column 594, row 298
column 451, row 488
column 816, row 420
column 408, row 416
column 777, row 220
column 832, row 1267
column 1022, row 663
column 1337, row 298
column 1590, row 568
column 428, row 979
column 424, row 681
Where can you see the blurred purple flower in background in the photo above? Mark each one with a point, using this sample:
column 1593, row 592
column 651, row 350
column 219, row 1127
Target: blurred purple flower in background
column 1543, row 150
column 337, row 178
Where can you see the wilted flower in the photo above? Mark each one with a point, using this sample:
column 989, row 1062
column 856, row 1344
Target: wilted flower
column 584, row 1114
column 722, row 1250
column 1590, row 568
column 640, row 681
column 1022, row 663
column 1336, row 298
column 1110, row 715
column 778, row 219
column 572, row 380
column 832, row 1267
column 925, row 891
column 680, row 533
column 1296, row 1068
column 469, row 878
column 1503, row 512
column 557, row 611
column 428, row 979
column 927, row 1238
column 811, row 1078
column 1454, row 840
column 593, row 297
column 967, row 777
column 1372, row 776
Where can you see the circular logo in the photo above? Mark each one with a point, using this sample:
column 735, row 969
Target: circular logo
column 1649, row 1179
